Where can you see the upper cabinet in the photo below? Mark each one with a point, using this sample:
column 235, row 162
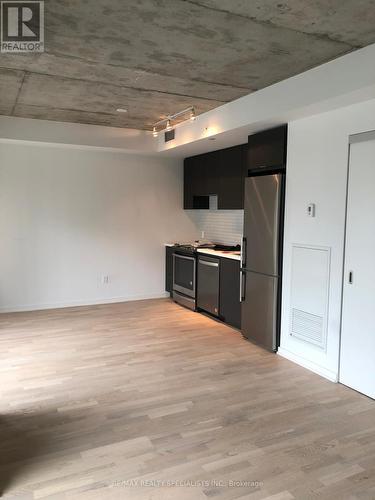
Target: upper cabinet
column 231, row 172
column 267, row 149
column 218, row 173
column 222, row 172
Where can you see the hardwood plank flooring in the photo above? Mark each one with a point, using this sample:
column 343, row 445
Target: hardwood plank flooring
column 147, row 400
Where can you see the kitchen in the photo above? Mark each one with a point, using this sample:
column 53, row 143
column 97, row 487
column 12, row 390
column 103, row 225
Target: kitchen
column 186, row 282
column 237, row 281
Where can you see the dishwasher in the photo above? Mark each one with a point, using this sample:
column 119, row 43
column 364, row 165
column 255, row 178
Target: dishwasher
column 208, row 280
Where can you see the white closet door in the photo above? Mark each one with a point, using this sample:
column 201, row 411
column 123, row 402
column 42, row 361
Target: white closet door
column 357, row 359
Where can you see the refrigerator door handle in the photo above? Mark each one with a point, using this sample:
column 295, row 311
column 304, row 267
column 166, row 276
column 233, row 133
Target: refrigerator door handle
column 243, row 251
column 242, row 286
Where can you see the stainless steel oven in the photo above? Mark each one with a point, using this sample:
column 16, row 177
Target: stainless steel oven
column 184, row 276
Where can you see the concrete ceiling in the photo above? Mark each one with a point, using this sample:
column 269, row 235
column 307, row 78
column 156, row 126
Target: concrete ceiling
column 155, row 57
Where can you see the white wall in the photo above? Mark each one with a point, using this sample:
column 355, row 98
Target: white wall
column 14, row 128
column 317, row 172
column 68, row 217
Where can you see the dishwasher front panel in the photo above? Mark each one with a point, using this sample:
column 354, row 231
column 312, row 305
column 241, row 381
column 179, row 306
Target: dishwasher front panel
column 208, row 285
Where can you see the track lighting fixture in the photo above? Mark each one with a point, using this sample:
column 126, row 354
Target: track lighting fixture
column 166, row 123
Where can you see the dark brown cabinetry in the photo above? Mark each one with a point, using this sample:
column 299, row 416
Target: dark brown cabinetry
column 230, row 305
column 231, row 172
column 169, row 269
column 218, row 173
column 222, row 172
column 267, row 149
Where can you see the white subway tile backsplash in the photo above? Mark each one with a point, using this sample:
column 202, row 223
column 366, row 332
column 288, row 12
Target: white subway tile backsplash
column 219, row 226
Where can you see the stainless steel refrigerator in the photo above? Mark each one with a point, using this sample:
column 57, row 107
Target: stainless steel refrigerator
column 261, row 260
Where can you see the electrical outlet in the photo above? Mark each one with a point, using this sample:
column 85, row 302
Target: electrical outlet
column 105, row 279
column 311, row 210
column 202, row 233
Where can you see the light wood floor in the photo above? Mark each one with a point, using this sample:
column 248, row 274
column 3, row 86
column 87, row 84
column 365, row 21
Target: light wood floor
column 94, row 398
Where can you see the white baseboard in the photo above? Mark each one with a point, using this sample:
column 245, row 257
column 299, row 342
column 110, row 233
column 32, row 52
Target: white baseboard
column 323, row 372
column 77, row 303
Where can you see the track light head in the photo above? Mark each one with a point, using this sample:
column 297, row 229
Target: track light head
column 166, row 123
column 169, row 126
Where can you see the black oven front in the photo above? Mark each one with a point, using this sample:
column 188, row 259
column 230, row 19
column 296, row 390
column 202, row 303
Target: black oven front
column 184, row 270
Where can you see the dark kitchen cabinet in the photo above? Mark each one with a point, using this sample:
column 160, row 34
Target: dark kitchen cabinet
column 196, row 183
column 191, row 176
column 169, row 269
column 218, row 173
column 230, row 305
column 231, row 178
column 267, row 149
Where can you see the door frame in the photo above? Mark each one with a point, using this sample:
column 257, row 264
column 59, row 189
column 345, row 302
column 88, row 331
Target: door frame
column 352, row 139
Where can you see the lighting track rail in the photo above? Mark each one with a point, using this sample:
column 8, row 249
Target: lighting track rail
column 166, row 123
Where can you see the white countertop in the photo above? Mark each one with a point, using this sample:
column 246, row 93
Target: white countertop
column 220, row 253
column 215, row 253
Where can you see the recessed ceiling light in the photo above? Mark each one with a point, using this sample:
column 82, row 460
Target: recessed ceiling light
column 121, row 110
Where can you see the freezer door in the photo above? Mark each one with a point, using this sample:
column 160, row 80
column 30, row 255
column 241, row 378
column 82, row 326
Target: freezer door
column 259, row 309
column 261, row 223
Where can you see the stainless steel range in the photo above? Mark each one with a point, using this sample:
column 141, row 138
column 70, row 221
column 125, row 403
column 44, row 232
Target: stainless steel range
column 184, row 276
column 185, row 273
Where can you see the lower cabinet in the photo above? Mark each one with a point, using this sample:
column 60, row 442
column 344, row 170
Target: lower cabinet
column 230, row 305
column 169, row 269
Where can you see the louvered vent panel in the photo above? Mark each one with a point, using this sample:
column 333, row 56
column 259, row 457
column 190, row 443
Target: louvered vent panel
column 308, row 327
column 309, row 294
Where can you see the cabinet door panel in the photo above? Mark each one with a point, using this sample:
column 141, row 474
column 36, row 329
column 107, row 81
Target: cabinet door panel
column 231, row 180
column 267, row 148
column 230, row 306
column 189, row 174
column 169, row 269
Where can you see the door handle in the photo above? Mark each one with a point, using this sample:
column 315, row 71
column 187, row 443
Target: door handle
column 207, row 263
column 242, row 286
column 179, row 256
column 350, row 280
column 243, row 252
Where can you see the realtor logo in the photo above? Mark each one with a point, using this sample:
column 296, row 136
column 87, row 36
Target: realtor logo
column 22, row 26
